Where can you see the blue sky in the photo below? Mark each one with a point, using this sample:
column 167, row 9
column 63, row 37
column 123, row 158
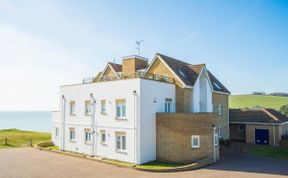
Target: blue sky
column 44, row 44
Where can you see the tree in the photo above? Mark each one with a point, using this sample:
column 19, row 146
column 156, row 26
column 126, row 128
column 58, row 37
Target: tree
column 284, row 109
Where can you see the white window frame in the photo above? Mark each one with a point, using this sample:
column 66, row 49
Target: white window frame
column 72, row 135
column 192, row 141
column 103, row 132
column 220, row 109
column 87, row 135
column 104, row 107
column 57, row 132
column 121, row 103
column 216, row 139
column 88, row 107
column 123, row 142
column 220, row 131
column 72, row 106
column 168, row 103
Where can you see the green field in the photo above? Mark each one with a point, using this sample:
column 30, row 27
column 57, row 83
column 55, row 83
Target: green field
column 20, row 138
column 242, row 101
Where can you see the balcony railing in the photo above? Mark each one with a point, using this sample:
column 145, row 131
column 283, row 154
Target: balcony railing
column 143, row 75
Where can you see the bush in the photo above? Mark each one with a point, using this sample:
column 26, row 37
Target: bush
column 225, row 142
column 284, row 109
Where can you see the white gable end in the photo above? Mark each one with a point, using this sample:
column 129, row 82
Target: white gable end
column 202, row 94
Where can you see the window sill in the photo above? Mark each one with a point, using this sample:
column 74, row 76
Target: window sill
column 104, row 113
column 73, row 115
column 73, row 141
column 196, row 147
column 88, row 114
column 121, row 118
column 104, row 143
column 57, row 137
column 122, row 151
column 88, row 143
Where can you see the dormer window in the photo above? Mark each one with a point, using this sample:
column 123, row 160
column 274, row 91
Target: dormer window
column 217, row 86
column 182, row 73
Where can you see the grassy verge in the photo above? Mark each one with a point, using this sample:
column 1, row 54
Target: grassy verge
column 274, row 152
column 20, row 138
column 159, row 165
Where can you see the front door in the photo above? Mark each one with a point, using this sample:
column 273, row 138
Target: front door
column 262, row 136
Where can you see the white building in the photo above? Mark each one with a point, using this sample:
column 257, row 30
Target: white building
column 114, row 119
column 113, row 115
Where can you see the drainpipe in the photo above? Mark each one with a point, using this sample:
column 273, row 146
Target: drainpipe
column 93, row 102
column 63, row 122
column 274, row 144
column 213, row 143
column 135, row 127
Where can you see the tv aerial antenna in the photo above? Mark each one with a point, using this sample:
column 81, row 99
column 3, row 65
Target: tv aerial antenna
column 138, row 46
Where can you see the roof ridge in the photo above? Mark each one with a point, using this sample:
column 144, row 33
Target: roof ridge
column 173, row 58
column 270, row 115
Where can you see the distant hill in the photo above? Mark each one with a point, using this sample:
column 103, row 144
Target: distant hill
column 242, row 101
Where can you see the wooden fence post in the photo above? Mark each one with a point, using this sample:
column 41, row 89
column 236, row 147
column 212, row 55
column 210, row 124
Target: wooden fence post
column 5, row 141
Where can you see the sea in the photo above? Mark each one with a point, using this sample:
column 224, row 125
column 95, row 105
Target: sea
column 26, row 120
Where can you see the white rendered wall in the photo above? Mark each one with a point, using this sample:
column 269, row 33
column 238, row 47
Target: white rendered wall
column 110, row 91
column 202, row 94
column 152, row 96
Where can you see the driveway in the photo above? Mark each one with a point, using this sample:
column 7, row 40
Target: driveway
column 30, row 162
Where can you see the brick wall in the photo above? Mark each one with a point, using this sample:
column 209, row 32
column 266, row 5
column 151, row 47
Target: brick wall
column 131, row 65
column 174, row 131
column 224, row 118
column 236, row 134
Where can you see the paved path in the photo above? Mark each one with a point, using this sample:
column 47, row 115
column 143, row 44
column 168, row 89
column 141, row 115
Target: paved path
column 30, row 162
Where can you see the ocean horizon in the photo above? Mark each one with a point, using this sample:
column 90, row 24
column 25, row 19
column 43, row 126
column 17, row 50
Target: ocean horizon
column 26, row 120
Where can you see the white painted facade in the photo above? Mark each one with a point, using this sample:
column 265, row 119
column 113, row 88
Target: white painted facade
column 143, row 98
column 202, row 94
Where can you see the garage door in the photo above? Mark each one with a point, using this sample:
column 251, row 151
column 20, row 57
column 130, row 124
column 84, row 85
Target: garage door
column 262, row 136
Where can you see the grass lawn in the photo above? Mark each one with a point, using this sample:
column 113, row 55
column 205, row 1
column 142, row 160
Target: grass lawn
column 274, row 152
column 159, row 165
column 242, row 101
column 20, row 138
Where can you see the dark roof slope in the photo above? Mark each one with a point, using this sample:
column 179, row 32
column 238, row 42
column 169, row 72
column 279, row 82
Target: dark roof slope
column 189, row 73
column 261, row 115
column 116, row 67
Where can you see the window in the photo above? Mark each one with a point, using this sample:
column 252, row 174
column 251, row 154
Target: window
column 216, row 139
column 195, row 139
column 217, row 86
column 121, row 108
column 220, row 131
column 103, row 137
column 168, row 105
column 56, row 132
column 103, row 106
column 120, row 142
column 87, row 135
column 87, row 107
column 220, row 109
column 241, row 128
column 72, row 107
column 72, row 134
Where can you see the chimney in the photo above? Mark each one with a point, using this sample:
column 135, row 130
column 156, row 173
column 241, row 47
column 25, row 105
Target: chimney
column 130, row 65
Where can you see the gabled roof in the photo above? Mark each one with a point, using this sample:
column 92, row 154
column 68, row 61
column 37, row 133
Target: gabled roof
column 114, row 67
column 189, row 73
column 259, row 115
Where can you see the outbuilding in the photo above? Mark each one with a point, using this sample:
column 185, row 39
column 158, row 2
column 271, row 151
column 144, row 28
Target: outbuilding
column 258, row 125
